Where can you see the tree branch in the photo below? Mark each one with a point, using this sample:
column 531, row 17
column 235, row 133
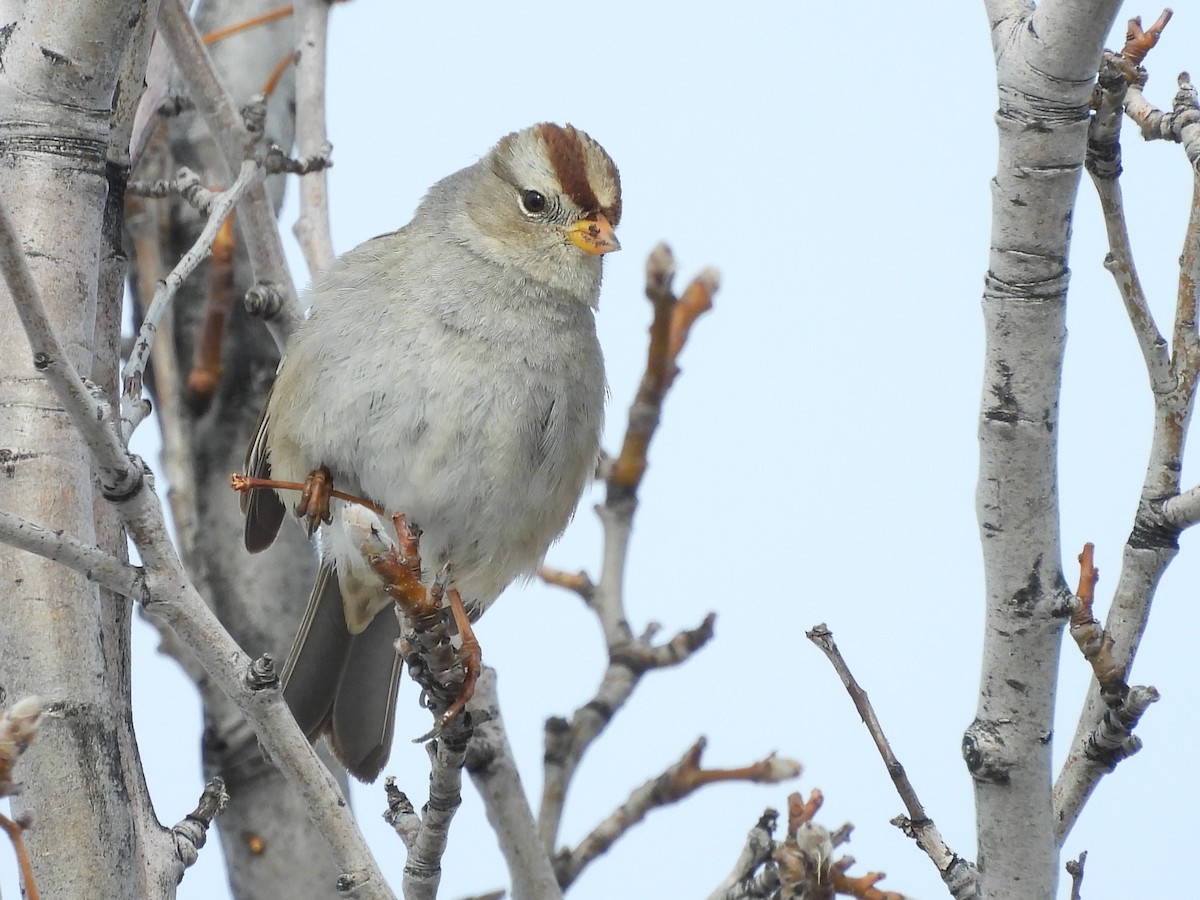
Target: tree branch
column 493, row 770
column 312, row 227
column 629, row 657
column 171, row 594
column 134, row 407
column 1103, row 734
column 959, row 875
column 91, row 562
column 119, row 475
column 257, row 222
column 191, row 834
column 673, row 785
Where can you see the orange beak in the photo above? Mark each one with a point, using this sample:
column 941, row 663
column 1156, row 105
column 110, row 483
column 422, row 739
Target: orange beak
column 594, row 236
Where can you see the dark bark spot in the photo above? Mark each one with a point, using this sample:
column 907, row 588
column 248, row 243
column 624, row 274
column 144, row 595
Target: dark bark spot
column 1151, row 531
column 56, row 59
column 1026, row 597
column 1005, row 409
column 984, row 751
column 6, row 32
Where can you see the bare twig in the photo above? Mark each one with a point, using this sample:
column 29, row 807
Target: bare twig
column 566, row 742
column 134, row 407
column 273, row 15
column 186, row 184
column 629, row 656
column 91, row 562
column 1104, row 164
column 207, row 366
column 1139, row 42
column 957, row 873
column 447, row 754
column 191, row 834
column 1075, row 870
column 18, row 729
column 15, row 832
column 312, row 227
column 400, row 813
column 579, row 582
column 1095, row 645
column 277, row 162
column 676, row 783
column 257, row 220
column 673, row 319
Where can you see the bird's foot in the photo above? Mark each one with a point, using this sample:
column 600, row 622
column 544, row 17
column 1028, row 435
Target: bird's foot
column 313, row 506
column 470, row 655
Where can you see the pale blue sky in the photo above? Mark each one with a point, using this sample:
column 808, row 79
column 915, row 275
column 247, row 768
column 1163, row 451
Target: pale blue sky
column 817, row 458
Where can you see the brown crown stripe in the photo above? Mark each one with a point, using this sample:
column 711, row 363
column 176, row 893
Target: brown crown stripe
column 565, row 151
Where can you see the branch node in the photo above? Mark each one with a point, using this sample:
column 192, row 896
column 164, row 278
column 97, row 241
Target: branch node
column 262, row 674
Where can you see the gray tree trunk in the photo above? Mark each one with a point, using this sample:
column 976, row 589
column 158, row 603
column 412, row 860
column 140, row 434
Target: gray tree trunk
column 64, row 640
column 1046, row 61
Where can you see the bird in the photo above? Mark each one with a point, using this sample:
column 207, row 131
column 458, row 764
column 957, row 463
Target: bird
column 449, row 371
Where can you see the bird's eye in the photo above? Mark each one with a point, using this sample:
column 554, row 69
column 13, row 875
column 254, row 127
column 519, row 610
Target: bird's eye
column 533, row 201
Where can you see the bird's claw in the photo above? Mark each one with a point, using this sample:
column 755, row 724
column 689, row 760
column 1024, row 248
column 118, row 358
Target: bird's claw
column 313, row 505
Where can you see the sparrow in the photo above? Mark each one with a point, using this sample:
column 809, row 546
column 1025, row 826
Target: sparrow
column 449, row 371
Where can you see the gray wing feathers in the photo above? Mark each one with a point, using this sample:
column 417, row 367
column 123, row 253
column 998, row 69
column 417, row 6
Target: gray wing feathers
column 263, row 509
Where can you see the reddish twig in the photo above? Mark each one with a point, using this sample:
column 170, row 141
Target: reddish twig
column 1139, row 42
column 15, row 831
column 205, row 376
column 579, row 582
column 1095, row 644
column 676, row 783
column 668, row 333
column 282, row 66
column 246, row 24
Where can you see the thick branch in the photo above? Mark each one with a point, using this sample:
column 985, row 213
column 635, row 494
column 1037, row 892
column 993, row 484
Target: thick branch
column 91, row 562
column 312, row 228
column 493, row 770
column 174, row 599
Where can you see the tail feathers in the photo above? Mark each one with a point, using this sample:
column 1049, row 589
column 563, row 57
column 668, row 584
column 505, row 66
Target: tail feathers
column 364, row 711
column 318, row 656
column 342, row 684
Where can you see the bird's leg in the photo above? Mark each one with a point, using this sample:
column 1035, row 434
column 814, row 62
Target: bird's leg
column 471, row 655
column 314, row 499
column 400, row 570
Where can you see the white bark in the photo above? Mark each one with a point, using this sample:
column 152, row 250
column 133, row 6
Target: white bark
column 64, row 640
column 1046, row 60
